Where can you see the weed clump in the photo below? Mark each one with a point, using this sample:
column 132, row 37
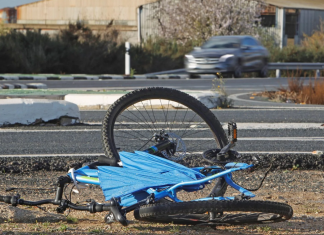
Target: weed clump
column 298, row 92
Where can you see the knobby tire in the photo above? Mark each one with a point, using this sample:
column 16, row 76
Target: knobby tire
column 230, row 212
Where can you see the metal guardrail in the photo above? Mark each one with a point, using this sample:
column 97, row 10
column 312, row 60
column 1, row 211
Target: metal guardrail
column 175, row 71
column 296, row 66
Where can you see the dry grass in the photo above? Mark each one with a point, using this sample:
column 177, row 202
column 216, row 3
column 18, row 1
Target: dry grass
column 298, row 92
column 313, row 93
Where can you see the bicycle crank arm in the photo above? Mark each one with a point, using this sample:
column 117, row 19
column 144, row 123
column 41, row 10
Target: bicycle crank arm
column 232, row 138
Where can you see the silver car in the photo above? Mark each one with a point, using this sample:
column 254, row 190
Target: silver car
column 228, row 55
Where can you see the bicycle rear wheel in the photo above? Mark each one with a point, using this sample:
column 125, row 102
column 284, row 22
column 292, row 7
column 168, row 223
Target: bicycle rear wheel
column 132, row 121
column 227, row 212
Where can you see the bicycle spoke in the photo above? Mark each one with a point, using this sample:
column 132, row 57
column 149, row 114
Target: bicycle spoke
column 185, row 131
column 192, row 133
column 145, row 144
column 152, row 111
column 172, row 123
column 137, row 132
column 165, row 119
column 188, row 125
column 143, row 117
column 144, row 128
column 148, row 116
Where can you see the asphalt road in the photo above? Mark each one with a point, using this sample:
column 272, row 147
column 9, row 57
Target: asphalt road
column 263, row 126
column 232, row 86
column 260, row 130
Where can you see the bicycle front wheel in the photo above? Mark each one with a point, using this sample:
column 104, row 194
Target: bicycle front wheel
column 224, row 212
column 138, row 119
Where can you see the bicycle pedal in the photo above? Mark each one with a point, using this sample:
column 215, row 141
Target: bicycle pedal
column 232, row 132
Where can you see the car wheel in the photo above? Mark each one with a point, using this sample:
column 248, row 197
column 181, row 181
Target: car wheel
column 237, row 71
column 263, row 73
column 193, row 75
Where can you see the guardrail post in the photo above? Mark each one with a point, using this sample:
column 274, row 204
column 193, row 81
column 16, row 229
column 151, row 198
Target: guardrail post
column 127, row 59
column 278, row 73
column 318, row 73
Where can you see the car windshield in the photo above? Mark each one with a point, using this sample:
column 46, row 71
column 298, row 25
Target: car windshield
column 221, row 42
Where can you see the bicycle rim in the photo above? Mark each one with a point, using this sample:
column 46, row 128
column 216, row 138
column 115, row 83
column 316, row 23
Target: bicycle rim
column 132, row 122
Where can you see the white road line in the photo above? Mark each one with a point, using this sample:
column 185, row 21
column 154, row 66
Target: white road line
column 56, row 155
column 47, row 131
column 243, row 125
column 251, row 138
column 283, row 138
column 186, row 139
column 297, row 106
column 240, row 126
column 99, row 154
column 275, row 152
column 242, row 108
column 92, row 130
column 276, row 126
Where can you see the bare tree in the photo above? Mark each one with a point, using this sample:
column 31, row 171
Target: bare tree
column 197, row 20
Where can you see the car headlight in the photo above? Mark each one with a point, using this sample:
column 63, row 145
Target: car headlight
column 190, row 58
column 225, row 57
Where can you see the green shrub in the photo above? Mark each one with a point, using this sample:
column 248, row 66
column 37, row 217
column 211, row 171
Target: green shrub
column 75, row 50
column 78, row 50
column 158, row 55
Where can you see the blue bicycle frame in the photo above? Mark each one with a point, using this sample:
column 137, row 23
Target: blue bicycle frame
column 90, row 176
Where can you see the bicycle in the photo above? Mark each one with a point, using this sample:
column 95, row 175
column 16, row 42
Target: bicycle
column 147, row 116
column 156, row 199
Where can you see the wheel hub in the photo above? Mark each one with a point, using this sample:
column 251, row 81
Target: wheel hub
column 178, row 151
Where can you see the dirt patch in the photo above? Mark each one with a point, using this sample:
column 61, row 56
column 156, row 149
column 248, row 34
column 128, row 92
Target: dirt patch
column 279, row 96
column 302, row 189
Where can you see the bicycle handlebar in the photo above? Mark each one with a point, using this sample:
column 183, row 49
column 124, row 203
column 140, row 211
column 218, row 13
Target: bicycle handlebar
column 6, row 199
column 92, row 207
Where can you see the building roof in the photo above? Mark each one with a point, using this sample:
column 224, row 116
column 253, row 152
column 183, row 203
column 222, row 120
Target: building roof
column 298, row 4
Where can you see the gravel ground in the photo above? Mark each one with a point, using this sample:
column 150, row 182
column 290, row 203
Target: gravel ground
column 299, row 183
column 32, row 164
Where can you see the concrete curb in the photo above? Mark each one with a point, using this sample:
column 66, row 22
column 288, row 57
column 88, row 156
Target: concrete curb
column 81, row 77
column 92, row 101
column 103, row 101
column 23, row 86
